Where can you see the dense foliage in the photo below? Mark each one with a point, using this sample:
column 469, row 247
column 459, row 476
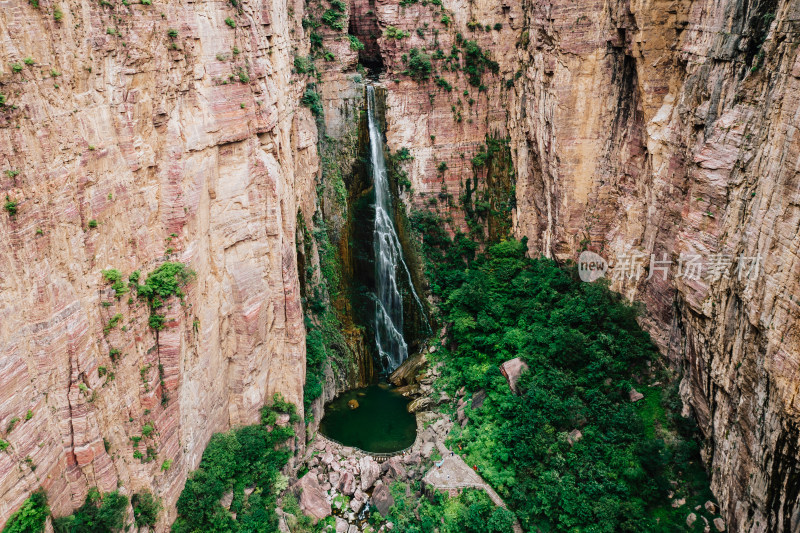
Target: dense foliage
column 245, row 457
column 469, row 512
column 167, row 280
column 145, row 508
column 100, row 513
column 584, row 349
column 31, row 517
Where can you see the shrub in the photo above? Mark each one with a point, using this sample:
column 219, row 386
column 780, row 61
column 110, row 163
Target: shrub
column 442, row 167
column 31, row 517
column 4, row 444
column 332, row 19
column 230, row 22
column 147, row 2
column 146, row 508
column 243, row 76
column 12, row 424
column 394, row 33
column 11, row 206
column 57, row 13
column 98, row 514
column 29, row 61
column 166, row 464
column 312, row 100
column 92, row 223
column 114, row 320
column 444, row 84
column 419, row 65
column 445, row 20
column 476, row 62
column 28, row 415
column 16, row 67
column 303, row 65
column 172, row 33
column 2, row 99
column 148, row 429
column 355, row 43
column 156, row 321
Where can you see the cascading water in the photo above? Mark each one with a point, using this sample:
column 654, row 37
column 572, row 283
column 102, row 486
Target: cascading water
column 392, row 347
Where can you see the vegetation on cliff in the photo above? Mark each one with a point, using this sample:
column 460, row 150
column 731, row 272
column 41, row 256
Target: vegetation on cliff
column 585, row 350
column 246, row 462
column 31, row 517
column 100, row 513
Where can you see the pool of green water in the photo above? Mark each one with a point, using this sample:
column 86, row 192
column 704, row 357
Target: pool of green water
column 380, row 424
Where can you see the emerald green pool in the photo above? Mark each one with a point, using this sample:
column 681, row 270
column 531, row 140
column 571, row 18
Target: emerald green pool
column 380, row 424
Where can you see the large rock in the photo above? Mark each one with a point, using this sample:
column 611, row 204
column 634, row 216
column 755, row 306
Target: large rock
column 313, row 500
column 394, row 469
column 406, row 373
column 347, row 484
column 513, row 370
column 382, row 499
column 370, row 471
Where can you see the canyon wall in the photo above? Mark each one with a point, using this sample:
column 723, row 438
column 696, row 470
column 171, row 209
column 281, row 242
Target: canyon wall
column 137, row 133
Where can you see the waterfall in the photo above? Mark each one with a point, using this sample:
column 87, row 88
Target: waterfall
column 392, row 347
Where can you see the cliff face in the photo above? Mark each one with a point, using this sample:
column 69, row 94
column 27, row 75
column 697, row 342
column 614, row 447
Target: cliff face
column 189, row 146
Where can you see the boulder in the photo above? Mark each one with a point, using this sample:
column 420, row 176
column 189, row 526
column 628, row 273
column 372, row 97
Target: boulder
column 635, row 395
column 690, row 520
column 678, row 503
column 574, row 436
column 394, row 469
column 313, row 500
column 512, row 370
column 370, row 471
column 719, row 523
column 382, row 499
column 412, row 459
column 347, row 484
column 226, row 500
column 711, row 507
column 478, row 398
column 341, row 525
column 406, row 374
column 419, row 404
column 356, row 505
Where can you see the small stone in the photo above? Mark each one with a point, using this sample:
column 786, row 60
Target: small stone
column 574, row 436
column 356, row 505
column 711, row 507
column 719, row 523
column 226, row 499
column 691, row 519
column 635, row 395
column 678, row 503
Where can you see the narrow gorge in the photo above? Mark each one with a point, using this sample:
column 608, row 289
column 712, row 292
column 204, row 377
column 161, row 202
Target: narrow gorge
column 224, row 218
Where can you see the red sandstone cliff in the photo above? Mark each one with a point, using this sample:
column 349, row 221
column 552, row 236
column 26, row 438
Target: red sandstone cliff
column 190, row 146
